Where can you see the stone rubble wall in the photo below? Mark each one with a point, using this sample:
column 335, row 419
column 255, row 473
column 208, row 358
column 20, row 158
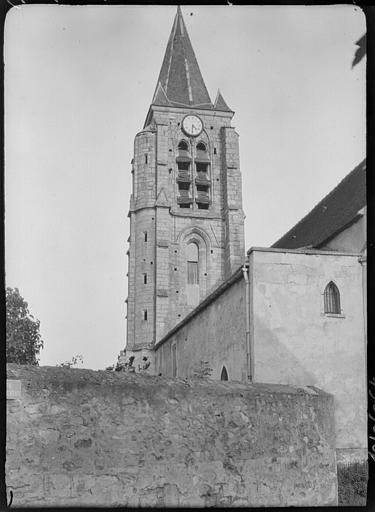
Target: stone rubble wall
column 84, row 437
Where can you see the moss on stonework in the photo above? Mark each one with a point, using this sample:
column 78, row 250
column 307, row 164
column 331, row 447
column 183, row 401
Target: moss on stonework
column 352, row 484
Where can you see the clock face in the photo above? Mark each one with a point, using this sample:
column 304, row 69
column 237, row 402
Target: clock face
column 192, row 125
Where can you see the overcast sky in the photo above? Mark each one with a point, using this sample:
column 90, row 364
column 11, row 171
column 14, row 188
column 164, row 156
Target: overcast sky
column 78, row 84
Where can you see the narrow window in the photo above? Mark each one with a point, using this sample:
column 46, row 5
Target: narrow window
column 192, row 264
column 174, row 360
column 146, row 159
column 332, row 299
column 145, row 314
column 224, row 374
column 145, row 235
column 144, row 278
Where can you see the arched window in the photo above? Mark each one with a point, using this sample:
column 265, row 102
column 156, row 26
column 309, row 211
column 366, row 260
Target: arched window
column 201, row 146
column 192, row 254
column 183, row 145
column 332, row 299
column 224, row 374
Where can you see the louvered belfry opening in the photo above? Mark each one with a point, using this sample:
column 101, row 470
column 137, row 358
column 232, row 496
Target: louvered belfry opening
column 332, row 299
column 202, row 179
column 183, row 159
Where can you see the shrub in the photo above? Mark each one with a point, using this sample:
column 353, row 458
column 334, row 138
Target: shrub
column 203, row 371
column 352, row 484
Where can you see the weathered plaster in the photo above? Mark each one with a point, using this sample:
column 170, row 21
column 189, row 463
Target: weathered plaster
column 296, row 343
column 293, row 340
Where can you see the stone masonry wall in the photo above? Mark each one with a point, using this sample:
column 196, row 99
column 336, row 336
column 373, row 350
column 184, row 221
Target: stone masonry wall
column 215, row 334
column 157, row 294
column 83, row 437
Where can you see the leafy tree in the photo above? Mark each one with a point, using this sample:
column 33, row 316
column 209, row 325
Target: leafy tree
column 23, row 339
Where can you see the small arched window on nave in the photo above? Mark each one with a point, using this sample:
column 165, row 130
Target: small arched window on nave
column 224, row 374
column 332, row 299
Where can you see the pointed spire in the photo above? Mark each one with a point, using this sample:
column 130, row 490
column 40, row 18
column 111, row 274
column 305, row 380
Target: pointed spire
column 180, row 81
column 220, row 103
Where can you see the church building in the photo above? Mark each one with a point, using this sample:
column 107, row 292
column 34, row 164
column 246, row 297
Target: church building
column 293, row 314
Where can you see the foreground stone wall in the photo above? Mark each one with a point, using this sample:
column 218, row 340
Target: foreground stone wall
column 81, row 437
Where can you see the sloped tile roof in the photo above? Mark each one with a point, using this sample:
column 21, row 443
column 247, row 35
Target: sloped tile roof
column 337, row 210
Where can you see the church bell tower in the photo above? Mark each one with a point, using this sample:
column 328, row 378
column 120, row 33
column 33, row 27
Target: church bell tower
column 186, row 217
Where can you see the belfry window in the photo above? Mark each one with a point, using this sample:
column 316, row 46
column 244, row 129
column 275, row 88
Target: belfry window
column 332, row 299
column 183, row 166
column 184, row 198
column 183, row 145
column 202, row 167
column 192, row 263
column 202, row 177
